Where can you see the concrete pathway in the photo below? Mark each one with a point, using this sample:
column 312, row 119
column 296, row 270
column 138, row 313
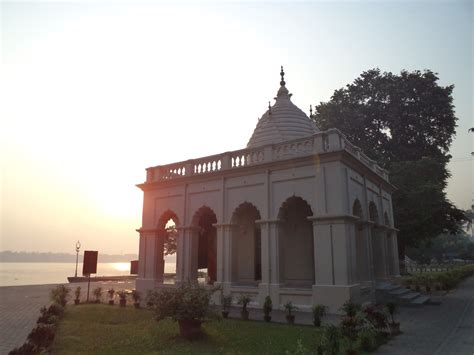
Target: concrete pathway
column 442, row 329
column 20, row 308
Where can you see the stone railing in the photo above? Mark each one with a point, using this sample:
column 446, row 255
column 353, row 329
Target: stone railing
column 322, row 142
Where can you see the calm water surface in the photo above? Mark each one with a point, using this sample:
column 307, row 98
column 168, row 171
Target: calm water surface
column 17, row 274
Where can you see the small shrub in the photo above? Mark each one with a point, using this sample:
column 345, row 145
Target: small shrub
column 136, row 296
column 42, row 335
column 151, row 298
column 319, row 311
column 350, row 308
column 376, row 317
column 111, row 293
column 244, row 300
column 267, row 306
column 97, row 294
column 60, row 294
column 186, row 302
column 77, row 292
column 289, row 307
column 366, row 340
column 123, row 297
column 53, row 310
column 330, row 340
column 122, row 294
column 51, row 314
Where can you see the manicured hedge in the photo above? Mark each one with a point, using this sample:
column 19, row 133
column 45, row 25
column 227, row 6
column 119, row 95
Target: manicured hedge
column 445, row 280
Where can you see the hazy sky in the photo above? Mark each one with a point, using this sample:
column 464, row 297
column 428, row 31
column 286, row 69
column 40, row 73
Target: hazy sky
column 93, row 93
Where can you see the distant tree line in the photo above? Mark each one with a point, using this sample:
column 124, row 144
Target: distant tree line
column 9, row 256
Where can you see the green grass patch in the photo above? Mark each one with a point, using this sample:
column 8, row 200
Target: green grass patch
column 102, row 329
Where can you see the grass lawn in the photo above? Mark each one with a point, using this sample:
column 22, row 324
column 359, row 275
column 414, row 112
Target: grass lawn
column 103, row 329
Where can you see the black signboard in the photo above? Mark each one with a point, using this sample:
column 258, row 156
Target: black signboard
column 89, row 265
column 134, row 267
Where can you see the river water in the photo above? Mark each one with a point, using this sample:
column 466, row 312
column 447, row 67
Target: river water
column 17, row 274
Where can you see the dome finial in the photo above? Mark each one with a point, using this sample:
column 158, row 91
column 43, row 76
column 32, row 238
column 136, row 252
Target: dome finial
column 310, row 111
column 269, row 108
column 282, row 74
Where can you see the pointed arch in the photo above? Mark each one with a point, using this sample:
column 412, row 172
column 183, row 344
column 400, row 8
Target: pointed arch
column 203, row 211
column 245, row 207
column 292, row 202
column 373, row 212
column 357, row 209
column 165, row 217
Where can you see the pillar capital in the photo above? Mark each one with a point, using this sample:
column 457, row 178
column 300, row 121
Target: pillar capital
column 147, row 232
column 268, row 221
column 333, row 219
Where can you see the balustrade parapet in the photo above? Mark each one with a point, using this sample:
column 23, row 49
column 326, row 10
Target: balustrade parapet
column 331, row 140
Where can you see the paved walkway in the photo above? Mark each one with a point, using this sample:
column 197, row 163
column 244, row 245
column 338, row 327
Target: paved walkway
column 437, row 329
column 20, row 306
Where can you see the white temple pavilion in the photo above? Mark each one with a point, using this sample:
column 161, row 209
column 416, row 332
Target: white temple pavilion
column 300, row 214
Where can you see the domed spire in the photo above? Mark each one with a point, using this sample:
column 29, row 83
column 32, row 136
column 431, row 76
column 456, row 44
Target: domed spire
column 282, row 74
column 282, row 122
column 283, row 91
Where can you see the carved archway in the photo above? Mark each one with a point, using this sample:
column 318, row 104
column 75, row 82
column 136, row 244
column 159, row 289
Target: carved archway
column 296, row 243
column 206, row 237
column 246, row 265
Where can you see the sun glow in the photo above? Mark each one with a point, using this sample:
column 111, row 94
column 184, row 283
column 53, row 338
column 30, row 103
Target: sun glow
column 122, row 266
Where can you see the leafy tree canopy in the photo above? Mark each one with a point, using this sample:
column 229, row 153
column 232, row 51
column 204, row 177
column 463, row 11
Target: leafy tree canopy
column 406, row 123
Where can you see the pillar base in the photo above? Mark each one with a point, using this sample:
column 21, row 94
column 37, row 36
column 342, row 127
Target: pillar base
column 334, row 296
column 143, row 285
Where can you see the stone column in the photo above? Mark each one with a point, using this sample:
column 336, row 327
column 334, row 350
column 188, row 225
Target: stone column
column 147, row 270
column 379, row 240
column 224, row 256
column 180, row 248
column 141, row 257
column 191, row 252
column 396, row 265
column 264, row 286
column 270, row 284
column 159, row 269
column 186, row 267
column 333, row 261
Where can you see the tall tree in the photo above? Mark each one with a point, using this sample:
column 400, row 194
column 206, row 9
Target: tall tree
column 406, row 123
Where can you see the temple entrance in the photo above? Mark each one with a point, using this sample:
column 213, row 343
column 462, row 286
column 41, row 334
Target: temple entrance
column 206, row 245
column 296, row 243
column 246, row 245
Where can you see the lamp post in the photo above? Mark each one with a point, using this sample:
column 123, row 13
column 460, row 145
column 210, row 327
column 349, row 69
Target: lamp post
column 78, row 247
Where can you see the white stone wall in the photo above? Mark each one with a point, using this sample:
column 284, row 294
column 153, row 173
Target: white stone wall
column 331, row 243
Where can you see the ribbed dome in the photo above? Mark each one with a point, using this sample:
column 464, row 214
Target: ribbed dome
column 282, row 122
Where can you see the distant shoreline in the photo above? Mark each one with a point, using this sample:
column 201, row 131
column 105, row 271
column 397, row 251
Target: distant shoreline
column 32, row 257
column 59, row 261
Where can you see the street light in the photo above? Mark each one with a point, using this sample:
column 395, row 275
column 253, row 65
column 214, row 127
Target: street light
column 78, row 247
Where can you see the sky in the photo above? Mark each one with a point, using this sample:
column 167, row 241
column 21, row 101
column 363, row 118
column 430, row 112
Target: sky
column 92, row 93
